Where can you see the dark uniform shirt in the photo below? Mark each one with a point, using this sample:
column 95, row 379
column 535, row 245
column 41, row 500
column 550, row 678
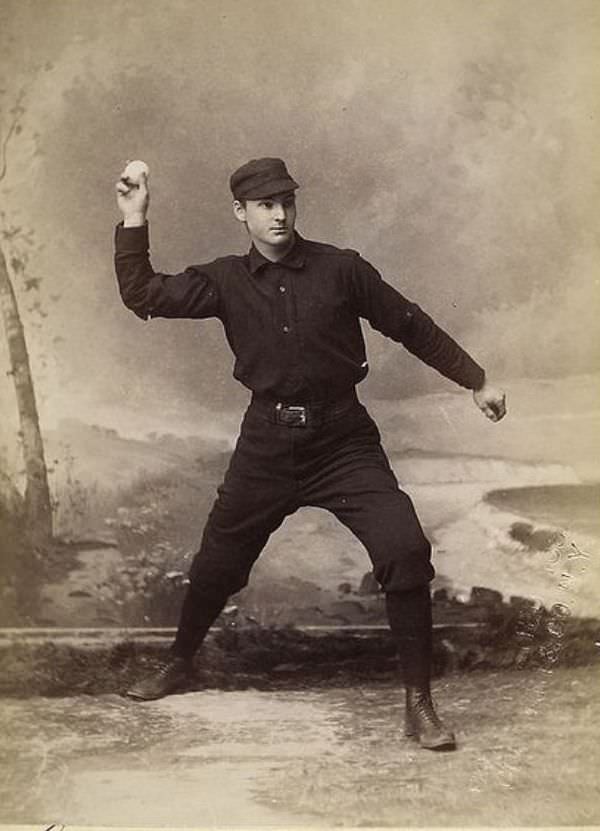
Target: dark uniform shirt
column 293, row 326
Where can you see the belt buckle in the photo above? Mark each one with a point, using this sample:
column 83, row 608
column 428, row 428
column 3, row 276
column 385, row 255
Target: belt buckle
column 291, row 416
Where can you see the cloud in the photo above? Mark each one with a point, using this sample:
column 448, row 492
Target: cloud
column 450, row 143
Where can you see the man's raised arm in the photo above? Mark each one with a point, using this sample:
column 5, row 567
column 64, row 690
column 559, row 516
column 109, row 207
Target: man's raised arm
column 191, row 294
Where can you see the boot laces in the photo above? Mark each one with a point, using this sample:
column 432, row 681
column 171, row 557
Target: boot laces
column 166, row 668
column 427, row 712
column 422, row 706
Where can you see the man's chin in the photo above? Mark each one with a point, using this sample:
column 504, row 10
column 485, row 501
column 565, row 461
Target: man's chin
column 280, row 238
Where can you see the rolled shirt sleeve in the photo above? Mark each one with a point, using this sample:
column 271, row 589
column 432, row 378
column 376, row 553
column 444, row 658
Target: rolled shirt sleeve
column 191, row 294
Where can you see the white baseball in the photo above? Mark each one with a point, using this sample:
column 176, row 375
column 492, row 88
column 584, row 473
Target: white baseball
column 134, row 171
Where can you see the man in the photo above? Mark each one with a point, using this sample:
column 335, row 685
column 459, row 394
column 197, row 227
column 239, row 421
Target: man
column 291, row 311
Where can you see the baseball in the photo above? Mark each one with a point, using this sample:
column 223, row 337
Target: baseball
column 134, row 170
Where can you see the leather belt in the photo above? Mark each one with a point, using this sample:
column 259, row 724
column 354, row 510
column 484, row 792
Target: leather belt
column 306, row 414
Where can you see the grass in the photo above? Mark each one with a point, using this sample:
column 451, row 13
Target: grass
column 250, row 655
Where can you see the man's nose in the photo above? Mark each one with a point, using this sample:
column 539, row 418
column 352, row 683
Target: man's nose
column 278, row 212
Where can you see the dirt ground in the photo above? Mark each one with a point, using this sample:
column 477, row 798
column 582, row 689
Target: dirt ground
column 529, row 752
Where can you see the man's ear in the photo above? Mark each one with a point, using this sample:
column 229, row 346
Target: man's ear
column 239, row 210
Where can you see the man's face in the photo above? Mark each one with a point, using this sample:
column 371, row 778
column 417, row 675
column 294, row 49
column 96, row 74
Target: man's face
column 269, row 220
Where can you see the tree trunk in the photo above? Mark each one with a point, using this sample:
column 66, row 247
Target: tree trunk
column 38, row 510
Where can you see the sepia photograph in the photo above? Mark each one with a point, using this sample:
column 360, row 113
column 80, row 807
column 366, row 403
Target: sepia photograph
column 299, row 414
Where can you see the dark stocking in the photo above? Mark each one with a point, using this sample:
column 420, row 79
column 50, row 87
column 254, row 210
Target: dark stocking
column 409, row 615
column 198, row 613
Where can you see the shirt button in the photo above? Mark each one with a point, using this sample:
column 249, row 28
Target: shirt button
column 282, row 289
column 286, row 329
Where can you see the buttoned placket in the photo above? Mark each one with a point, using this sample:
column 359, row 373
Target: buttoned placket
column 285, row 299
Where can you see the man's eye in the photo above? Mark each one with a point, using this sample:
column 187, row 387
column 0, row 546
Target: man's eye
column 266, row 204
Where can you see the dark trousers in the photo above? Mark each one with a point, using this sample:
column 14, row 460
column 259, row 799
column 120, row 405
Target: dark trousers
column 334, row 462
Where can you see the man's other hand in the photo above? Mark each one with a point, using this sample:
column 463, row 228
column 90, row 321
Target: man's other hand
column 133, row 197
column 491, row 401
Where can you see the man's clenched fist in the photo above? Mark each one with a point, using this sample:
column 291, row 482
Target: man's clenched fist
column 491, row 401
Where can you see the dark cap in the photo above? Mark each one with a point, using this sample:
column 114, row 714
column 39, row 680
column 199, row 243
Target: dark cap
column 259, row 178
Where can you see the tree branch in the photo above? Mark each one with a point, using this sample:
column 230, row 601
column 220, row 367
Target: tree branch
column 18, row 112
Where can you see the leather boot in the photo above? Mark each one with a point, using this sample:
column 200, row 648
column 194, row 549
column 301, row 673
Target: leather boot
column 170, row 676
column 423, row 723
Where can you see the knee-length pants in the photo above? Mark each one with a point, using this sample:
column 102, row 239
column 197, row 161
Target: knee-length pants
column 337, row 463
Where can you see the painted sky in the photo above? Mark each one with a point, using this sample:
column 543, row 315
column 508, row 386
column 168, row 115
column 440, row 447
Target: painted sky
column 452, row 142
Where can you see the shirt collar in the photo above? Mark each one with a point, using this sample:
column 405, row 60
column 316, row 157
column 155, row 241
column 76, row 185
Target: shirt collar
column 295, row 258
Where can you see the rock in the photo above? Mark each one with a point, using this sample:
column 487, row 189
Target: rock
column 521, row 602
column 368, row 585
column 485, row 597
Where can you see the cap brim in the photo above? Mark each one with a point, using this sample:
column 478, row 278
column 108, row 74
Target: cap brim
column 271, row 188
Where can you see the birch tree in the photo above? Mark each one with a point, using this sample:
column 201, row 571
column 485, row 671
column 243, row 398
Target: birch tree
column 37, row 506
